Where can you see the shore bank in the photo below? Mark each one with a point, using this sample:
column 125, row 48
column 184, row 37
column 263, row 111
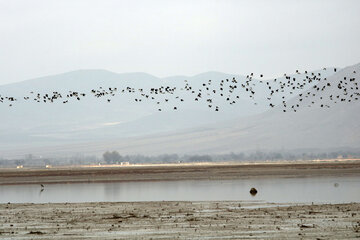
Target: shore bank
column 171, row 172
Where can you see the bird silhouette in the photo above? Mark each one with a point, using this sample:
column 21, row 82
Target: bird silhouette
column 302, row 88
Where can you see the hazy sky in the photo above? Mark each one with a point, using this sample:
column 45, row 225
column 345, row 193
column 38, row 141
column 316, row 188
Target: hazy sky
column 163, row 38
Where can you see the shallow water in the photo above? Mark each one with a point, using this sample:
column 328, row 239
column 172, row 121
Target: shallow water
column 277, row 190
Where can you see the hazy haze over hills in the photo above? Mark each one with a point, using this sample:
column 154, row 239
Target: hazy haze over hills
column 92, row 126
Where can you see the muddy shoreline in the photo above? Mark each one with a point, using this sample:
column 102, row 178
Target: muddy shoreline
column 179, row 220
column 175, row 172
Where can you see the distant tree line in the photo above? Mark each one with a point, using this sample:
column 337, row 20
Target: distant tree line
column 114, row 157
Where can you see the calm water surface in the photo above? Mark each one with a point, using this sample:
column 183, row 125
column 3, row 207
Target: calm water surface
column 282, row 190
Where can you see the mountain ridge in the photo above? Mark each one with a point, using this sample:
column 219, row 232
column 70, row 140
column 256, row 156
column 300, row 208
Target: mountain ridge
column 169, row 132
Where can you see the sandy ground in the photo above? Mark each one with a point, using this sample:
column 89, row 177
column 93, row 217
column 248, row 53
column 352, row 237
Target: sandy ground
column 219, row 171
column 179, row 220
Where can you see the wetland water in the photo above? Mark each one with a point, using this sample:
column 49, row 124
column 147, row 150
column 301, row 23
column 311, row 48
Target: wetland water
column 277, row 190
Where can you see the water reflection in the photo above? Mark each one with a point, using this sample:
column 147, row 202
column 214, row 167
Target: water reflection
column 282, row 190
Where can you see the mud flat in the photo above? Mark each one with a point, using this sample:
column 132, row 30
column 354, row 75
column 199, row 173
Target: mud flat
column 179, row 220
column 216, row 171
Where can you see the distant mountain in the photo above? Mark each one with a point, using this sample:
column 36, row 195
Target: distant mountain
column 93, row 125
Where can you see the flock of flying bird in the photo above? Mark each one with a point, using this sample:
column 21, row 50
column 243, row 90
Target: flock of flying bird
column 228, row 90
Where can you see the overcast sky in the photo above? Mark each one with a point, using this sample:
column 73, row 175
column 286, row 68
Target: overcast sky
column 163, row 38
